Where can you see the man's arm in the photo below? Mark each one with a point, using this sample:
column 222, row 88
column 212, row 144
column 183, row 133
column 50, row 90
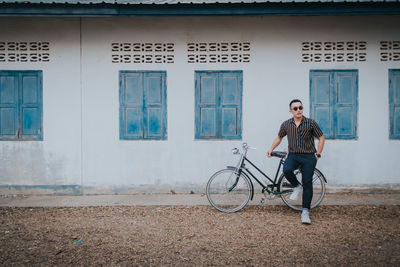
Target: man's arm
column 321, row 143
column 276, row 143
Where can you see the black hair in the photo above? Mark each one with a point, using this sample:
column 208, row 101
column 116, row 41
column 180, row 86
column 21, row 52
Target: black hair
column 294, row 101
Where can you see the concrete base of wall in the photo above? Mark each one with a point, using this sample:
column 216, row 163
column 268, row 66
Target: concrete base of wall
column 40, row 190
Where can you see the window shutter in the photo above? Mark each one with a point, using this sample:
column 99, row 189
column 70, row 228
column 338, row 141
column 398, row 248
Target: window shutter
column 320, row 95
column 154, row 107
column 394, row 103
column 345, row 117
column 206, row 99
column 131, row 105
column 230, row 92
column 8, row 106
column 30, row 107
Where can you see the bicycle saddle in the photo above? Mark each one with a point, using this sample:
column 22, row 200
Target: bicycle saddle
column 278, row 154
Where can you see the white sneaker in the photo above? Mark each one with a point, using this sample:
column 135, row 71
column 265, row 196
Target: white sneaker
column 305, row 217
column 296, row 192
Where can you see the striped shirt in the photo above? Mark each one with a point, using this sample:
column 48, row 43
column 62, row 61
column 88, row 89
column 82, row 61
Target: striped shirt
column 301, row 138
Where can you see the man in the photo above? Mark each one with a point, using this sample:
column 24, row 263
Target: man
column 300, row 132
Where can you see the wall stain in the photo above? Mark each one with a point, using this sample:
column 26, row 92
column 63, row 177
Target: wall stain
column 27, row 163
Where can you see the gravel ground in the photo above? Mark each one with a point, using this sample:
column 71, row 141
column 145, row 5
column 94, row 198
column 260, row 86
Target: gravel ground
column 199, row 236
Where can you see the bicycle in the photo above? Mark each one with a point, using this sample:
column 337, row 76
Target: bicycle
column 230, row 189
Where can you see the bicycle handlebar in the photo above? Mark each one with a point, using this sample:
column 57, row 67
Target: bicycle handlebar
column 245, row 147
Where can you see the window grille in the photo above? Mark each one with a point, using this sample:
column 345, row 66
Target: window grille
column 350, row 51
column 223, row 52
column 24, row 51
column 390, row 50
column 137, row 53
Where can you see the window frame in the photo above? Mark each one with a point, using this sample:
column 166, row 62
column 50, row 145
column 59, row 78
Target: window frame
column 19, row 136
column 333, row 104
column 122, row 118
column 218, row 105
column 392, row 105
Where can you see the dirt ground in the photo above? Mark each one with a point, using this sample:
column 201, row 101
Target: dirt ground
column 200, row 236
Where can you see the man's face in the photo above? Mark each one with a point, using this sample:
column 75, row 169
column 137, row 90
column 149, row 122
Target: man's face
column 296, row 109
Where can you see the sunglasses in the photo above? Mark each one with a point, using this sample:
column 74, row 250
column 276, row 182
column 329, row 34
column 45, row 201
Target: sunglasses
column 300, row 108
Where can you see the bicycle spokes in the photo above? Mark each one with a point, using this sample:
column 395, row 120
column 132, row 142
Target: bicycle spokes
column 228, row 191
column 286, row 189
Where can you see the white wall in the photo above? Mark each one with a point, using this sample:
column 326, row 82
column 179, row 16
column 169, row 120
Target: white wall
column 93, row 155
column 57, row 159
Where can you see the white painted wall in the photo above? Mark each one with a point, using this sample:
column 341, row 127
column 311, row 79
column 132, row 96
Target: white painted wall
column 57, row 159
column 93, row 155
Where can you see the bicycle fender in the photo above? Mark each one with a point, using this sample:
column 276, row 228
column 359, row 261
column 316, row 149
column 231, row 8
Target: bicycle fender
column 251, row 184
column 248, row 178
column 321, row 175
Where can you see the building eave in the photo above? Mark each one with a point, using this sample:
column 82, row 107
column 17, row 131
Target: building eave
column 211, row 9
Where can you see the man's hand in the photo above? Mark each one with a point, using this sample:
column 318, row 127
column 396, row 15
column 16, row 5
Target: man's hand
column 269, row 153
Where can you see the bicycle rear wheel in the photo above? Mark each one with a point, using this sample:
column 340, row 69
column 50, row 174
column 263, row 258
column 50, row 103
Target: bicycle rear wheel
column 318, row 190
column 227, row 191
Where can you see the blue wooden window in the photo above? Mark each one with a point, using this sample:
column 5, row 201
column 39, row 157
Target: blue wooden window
column 218, row 104
column 21, row 105
column 143, row 105
column 334, row 102
column 394, row 103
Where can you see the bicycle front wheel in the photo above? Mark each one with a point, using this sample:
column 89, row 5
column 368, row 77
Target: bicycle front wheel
column 227, row 191
column 286, row 190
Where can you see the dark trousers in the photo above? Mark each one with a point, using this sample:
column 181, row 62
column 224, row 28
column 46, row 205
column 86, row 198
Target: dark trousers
column 306, row 162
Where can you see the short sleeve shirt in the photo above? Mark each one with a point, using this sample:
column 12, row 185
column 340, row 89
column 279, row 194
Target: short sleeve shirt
column 300, row 138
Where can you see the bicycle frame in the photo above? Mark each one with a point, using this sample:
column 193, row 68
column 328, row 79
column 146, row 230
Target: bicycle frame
column 241, row 168
column 264, row 186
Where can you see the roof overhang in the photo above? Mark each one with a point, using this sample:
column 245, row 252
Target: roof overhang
column 104, row 9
